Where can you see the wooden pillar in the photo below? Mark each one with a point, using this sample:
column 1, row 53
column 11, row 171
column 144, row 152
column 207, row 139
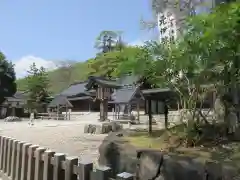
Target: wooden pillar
column 146, row 106
column 57, row 112
column 103, row 110
column 103, row 94
column 138, row 111
column 129, row 109
column 115, row 111
column 118, row 111
column 66, row 114
column 150, row 116
column 13, row 111
column 89, row 106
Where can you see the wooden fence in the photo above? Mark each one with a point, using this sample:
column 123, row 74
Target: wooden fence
column 24, row 161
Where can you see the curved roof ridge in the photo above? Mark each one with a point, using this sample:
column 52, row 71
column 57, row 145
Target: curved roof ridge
column 78, row 82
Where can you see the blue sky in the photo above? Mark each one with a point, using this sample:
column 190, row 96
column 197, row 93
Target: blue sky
column 59, row 29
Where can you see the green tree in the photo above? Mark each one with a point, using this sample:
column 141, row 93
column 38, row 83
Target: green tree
column 112, row 64
column 7, row 79
column 108, row 41
column 208, row 53
column 37, row 85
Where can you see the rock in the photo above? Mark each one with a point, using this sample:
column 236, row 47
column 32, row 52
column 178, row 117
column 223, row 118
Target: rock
column 86, row 128
column 149, row 164
column 116, row 153
column 92, row 128
column 102, row 128
column 119, row 134
column 217, row 171
column 155, row 165
column 180, row 168
column 106, row 128
column 98, row 129
column 116, row 126
column 12, row 119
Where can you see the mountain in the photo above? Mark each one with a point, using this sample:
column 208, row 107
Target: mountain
column 110, row 64
column 61, row 78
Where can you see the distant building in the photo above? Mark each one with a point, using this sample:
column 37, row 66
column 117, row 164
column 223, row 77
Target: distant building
column 13, row 106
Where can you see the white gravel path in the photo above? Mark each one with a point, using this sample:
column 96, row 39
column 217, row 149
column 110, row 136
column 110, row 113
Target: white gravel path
column 61, row 136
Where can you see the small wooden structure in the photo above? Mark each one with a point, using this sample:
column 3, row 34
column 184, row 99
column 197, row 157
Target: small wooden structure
column 58, row 103
column 14, row 106
column 104, row 89
column 157, row 94
column 125, row 99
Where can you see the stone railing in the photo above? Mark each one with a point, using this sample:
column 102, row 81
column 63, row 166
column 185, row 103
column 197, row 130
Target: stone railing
column 24, row 161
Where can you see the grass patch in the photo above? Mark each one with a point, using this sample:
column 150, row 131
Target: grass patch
column 168, row 141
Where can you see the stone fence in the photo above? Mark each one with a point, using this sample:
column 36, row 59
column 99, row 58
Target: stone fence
column 24, row 161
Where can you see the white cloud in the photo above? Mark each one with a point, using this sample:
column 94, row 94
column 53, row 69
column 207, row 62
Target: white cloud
column 22, row 65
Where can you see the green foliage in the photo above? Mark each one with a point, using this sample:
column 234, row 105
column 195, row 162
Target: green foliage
column 207, row 53
column 114, row 63
column 37, row 85
column 108, row 41
column 206, row 57
column 7, row 78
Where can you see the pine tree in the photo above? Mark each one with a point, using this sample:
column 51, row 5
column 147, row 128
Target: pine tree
column 37, row 83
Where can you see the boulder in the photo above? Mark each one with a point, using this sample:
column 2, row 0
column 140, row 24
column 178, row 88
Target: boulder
column 116, row 153
column 149, row 164
column 155, row 165
column 12, row 119
column 102, row 128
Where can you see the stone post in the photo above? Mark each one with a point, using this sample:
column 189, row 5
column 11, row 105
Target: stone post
column 58, row 172
column 38, row 172
column 69, row 163
column 47, row 167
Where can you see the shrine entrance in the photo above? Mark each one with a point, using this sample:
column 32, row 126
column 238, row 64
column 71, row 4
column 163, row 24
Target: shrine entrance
column 104, row 89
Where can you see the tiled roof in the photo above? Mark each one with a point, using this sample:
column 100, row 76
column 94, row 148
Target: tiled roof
column 60, row 100
column 102, row 81
column 75, row 89
column 18, row 96
column 125, row 94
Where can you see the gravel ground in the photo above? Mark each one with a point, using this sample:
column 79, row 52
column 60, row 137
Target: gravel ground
column 63, row 136
column 60, row 136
